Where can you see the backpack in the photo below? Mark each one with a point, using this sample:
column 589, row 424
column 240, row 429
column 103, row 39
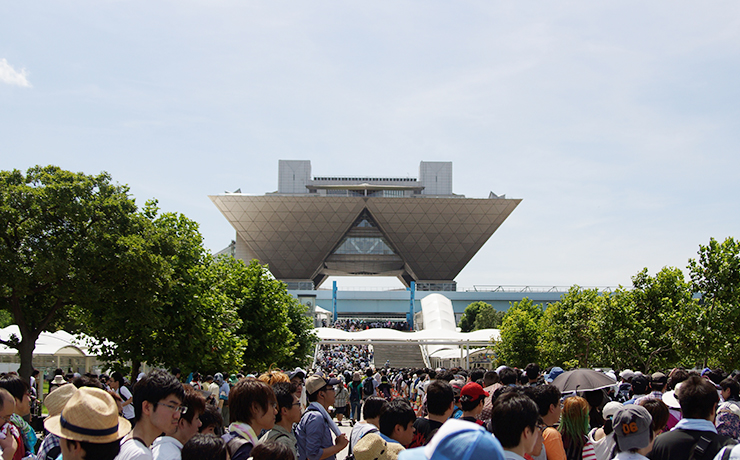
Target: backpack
column 367, row 386
column 354, row 391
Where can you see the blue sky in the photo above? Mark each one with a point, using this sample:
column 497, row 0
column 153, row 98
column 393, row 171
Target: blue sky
column 617, row 123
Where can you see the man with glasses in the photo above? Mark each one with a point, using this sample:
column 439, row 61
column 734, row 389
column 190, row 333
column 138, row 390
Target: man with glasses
column 288, row 414
column 158, row 398
column 314, row 431
column 169, row 447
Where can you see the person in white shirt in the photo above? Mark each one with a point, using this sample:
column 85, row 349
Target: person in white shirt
column 169, row 447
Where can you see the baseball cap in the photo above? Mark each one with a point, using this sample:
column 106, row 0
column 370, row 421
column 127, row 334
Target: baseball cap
column 317, row 382
column 473, row 391
column 458, row 440
column 554, row 372
column 611, row 408
column 632, row 427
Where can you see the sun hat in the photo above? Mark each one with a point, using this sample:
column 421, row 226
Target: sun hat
column 91, row 415
column 373, row 447
column 632, row 427
column 458, row 440
column 58, row 380
column 670, row 399
column 57, row 399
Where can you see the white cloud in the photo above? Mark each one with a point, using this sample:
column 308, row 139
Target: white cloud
column 11, row 76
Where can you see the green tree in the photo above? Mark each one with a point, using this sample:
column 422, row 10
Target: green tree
column 636, row 326
column 65, row 239
column 518, row 344
column 568, row 334
column 716, row 276
column 189, row 322
column 301, row 325
column 488, row 318
column 467, row 321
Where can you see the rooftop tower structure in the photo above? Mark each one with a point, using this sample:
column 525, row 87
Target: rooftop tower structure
column 316, row 227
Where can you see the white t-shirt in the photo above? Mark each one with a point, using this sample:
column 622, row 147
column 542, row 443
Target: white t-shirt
column 128, row 410
column 132, row 449
column 166, row 448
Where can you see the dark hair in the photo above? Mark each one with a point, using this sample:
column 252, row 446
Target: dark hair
column 374, row 407
column 732, row 385
column 271, row 450
column 58, row 371
column 545, row 396
column 508, row 376
column 439, row 397
column 15, row 385
column 397, row 412
column 467, row 404
column 532, row 370
column 175, row 371
column 154, row 387
column 676, row 376
column 491, row 376
column 102, row 451
column 476, row 374
column 284, row 396
column 511, row 414
column 117, row 377
column 212, row 417
column 697, row 397
column 194, row 401
column 658, row 410
column 87, row 381
column 204, row 447
column 245, row 395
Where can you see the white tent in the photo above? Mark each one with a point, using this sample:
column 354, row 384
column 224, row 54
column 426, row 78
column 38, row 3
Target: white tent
column 53, row 349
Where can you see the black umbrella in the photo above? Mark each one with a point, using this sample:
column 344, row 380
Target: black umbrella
column 582, row 380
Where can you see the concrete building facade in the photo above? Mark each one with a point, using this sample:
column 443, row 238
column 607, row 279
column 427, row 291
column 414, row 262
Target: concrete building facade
column 314, row 227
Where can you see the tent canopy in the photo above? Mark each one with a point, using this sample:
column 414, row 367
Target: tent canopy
column 58, row 343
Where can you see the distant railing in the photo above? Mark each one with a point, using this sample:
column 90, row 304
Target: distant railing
column 481, row 288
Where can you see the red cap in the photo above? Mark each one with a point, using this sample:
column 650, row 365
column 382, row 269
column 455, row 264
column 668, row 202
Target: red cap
column 473, row 391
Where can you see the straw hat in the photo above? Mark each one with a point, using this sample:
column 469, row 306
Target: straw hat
column 57, row 399
column 91, row 415
column 373, row 447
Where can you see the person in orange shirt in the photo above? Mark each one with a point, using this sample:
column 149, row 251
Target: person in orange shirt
column 547, row 398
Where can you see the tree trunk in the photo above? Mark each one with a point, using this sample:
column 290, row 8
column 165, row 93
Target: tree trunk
column 25, row 350
column 135, row 366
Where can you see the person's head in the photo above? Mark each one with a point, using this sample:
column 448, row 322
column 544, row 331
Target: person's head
column 21, row 391
column 533, row 371
column 7, row 407
column 89, row 426
column 158, row 397
column 514, row 421
column 472, row 397
column 373, row 407
column 676, row 376
column 658, row 412
column 397, row 421
column 253, row 402
column 574, row 418
column 212, row 422
column 272, row 450
column 190, row 420
column 490, row 378
column 508, row 376
column 273, row 377
column 204, row 447
column 547, row 398
column 116, row 380
column 477, row 374
column 730, row 389
column 658, row 381
column 440, row 398
column 632, row 428
column 176, row 372
column 698, row 398
column 289, row 407
column 639, row 384
column 320, row 389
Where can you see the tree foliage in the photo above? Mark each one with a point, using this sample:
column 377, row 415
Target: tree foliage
column 518, row 345
column 65, row 239
column 467, row 321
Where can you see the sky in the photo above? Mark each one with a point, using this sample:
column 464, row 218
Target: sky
column 616, row 122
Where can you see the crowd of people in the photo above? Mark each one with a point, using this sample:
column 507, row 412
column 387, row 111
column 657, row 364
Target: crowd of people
column 353, row 325
column 344, row 357
column 394, row 414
